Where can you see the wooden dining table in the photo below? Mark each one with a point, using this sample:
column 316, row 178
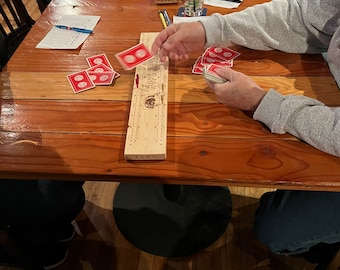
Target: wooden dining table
column 49, row 132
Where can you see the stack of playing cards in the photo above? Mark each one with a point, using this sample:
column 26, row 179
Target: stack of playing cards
column 99, row 73
column 134, row 56
column 210, row 75
column 212, row 58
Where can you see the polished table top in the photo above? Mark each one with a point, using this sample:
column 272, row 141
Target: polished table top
column 48, row 132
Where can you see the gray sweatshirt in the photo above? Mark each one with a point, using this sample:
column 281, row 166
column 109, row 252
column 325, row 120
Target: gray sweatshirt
column 296, row 26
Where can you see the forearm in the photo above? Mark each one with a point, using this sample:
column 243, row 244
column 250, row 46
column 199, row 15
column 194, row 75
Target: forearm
column 303, row 117
column 278, row 25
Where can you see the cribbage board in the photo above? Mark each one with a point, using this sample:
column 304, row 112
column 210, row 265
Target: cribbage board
column 147, row 127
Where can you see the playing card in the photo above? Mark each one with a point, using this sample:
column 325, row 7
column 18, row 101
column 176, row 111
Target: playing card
column 134, row 56
column 210, row 56
column 101, row 78
column 116, row 75
column 80, row 81
column 100, row 68
column 208, row 61
column 224, row 53
column 98, row 59
column 198, row 66
column 210, row 74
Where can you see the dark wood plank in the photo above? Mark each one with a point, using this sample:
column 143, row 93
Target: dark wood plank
column 190, row 160
column 110, row 117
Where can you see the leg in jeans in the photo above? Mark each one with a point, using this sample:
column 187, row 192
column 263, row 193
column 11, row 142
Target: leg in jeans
column 291, row 222
column 39, row 211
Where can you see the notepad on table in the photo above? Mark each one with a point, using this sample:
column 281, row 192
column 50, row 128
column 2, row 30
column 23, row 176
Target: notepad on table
column 58, row 38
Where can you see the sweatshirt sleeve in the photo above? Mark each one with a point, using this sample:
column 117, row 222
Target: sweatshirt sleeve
column 296, row 26
column 303, row 117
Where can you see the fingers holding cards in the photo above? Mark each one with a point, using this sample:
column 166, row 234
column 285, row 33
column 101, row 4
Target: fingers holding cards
column 210, row 74
column 212, row 58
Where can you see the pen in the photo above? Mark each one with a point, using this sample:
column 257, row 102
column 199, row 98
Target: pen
column 235, row 1
column 166, row 17
column 160, row 13
column 80, row 30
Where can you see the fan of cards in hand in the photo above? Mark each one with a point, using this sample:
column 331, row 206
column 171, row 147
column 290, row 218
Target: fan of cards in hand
column 99, row 73
column 211, row 59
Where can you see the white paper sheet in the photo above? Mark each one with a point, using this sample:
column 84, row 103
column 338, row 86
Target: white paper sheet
column 180, row 19
column 222, row 3
column 67, row 39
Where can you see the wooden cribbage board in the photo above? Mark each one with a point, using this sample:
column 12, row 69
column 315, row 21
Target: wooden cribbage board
column 147, row 127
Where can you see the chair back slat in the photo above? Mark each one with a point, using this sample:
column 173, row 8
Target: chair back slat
column 6, row 20
column 13, row 12
column 22, row 12
column 14, row 15
column 2, row 30
column 15, row 24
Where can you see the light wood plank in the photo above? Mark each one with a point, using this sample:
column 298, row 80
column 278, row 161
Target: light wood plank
column 146, row 135
column 185, row 88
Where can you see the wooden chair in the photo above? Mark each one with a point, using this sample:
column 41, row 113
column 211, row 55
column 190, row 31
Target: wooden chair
column 42, row 4
column 16, row 23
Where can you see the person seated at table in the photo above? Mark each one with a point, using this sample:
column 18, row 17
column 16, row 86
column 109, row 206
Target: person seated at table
column 38, row 216
column 288, row 222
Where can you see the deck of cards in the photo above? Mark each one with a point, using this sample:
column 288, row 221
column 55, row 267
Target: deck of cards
column 210, row 75
column 212, row 58
column 134, row 56
column 100, row 72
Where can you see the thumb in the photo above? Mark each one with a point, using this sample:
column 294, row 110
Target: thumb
column 225, row 72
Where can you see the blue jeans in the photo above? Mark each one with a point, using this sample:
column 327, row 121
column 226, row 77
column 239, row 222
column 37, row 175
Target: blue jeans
column 291, row 222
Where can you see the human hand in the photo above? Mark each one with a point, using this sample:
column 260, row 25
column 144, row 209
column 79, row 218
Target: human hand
column 179, row 39
column 239, row 91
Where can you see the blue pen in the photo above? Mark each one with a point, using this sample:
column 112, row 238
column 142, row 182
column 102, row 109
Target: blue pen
column 80, row 30
column 166, row 17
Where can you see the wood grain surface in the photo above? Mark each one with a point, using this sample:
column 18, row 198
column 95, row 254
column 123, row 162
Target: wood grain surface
column 48, row 131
